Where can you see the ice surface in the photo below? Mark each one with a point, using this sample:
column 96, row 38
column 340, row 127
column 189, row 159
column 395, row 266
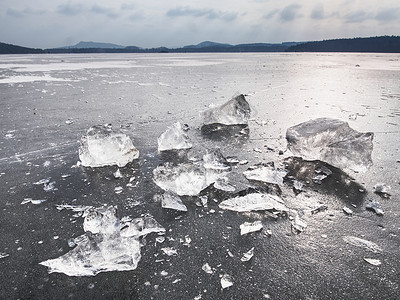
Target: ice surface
column 247, row 227
column 226, row 281
column 102, row 146
column 174, row 138
column 234, row 112
column 331, row 141
column 105, row 248
column 266, row 173
column 172, row 201
column 248, row 255
column 183, row 179
column 376, row 207
column 355, row 241
column 254, row 201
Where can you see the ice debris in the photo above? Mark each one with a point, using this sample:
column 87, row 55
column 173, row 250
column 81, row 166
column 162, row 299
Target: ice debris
column 248, row 227
column 254, row 201
column 298, row 224
column 206, row 268
column 214, row 160
column 355, row 241
column 172, row 201
column 382, row 190
column 4, row 255
column 105, row 248
column 319, row 208
column 234, row 112
column 226, row 281
column 169, row 251
column 174, row 138
column 331, row 141
column 266, row 173
column 248, row 255
column 347, row 211
column 376, row 207
column 30, row 200
column 372, row 261
column 102, row 146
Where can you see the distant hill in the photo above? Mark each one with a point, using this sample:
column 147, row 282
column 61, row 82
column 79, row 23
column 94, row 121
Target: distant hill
column 381, row 44
column 207, row 44
column 13, row 49
column 91, row 45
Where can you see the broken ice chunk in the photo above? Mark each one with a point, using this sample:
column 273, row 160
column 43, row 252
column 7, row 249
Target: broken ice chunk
column 172, row 201
column 51, row 186
column 30, row 200
column 43, row 181
column 248, row 255
column 382, row 190
column 319, row 208
column 102, row 146
column 347, row 211
column 355, row 241
column 247, row 227
column 169, row 251
column 331, row 141
column 376, row 207
column 117, row 174
column 183, row 179
column 141, row 227
column 226, row 281
column 234, row 112
column 102, row 251
column 298, row 224
column 254, row 201
column 174, row 138
column 206, row 268
column 372, row 261
column 266, row 173
column 4, row 255
column 214, row 160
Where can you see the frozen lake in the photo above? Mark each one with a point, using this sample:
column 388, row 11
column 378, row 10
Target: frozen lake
column 49, row 101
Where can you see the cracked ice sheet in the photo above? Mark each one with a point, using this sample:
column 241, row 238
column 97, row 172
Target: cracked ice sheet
column 107, row 247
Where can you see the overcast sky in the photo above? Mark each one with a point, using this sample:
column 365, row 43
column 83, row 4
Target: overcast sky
column 173, row 23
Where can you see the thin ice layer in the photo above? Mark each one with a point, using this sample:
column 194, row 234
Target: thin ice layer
column 174, row 138
column 234, row 112
column 102, row 146
column 103, row 248
column 331, row 141
column 254, row 201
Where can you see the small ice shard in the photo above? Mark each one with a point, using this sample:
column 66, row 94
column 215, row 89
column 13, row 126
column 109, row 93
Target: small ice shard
column 297, row 186
column 347, row 211
column 118, row 189
column 254, row 201
column 355, row 241
column 206, row 268
column 75, row 208
column 322, row 173
column 331, row 141
column 30, row 200
column 234, row 112
column 319, row 208
column 103, row 250
column 382, row 190
column 43, row 181
column 226, row 281
column 372, row 261
column 9, row 135
column 298, row 224
column 183, row 179
column 214, row 160
column 247, row 255
column 169, row 251
column 266, row 173
column 172, row 201
column 142, row 227
column 51, row 186
column 376, row 207
column 174, row 138
column 4, row 255
column 248, row 227
column 69, row 121
column 102, row 146
column 117, row 174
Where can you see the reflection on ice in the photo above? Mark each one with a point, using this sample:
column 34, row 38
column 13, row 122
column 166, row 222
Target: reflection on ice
column 331, row 141
column 104, row 247
column 102, row 146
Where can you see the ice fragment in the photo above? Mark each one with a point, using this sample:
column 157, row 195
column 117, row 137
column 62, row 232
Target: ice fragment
column 376, row 207
column 382, row 189
column 247, row 255
column 174, row 138
column 331, row 141
column 226, row 281
column 372, row 261
column 206, row 268
column 117, row 174
column 266, row 173
column 247, row 227
column 169, row 251
column 355, row 241
column 102, row 146
column 254, row 201
column 347, row 211
column 298, row 224
column 4, row 255
column 30, row 200
column 172, row 201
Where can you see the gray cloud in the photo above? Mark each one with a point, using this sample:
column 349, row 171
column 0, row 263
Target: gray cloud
column 197, row 13
column 271, row 14
column 103, row 11
column 24, row 12
column 388, row 15
column 356, row 17
column 69, row 9
column 289, row 13
column 318, row 12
